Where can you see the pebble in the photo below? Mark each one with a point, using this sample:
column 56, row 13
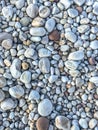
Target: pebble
column 25, row 77
column 2, row 82
column 75, row 127
column 44, row 65
column 64, row 48
column 15, row 68
column 34, row 95
column 29, row 53
column 94, row 80
column 37, row 31
column 72, row 65
column 16, row 91
column 92, row 123
column 74, row 73
column 50, row 24
column 25, row 21
column 53, row 78
column 43, row 52
column 44, row 11
column 7, row 104
column 45, row 107
column 7, row 12
column 5, row 35
column 79, row 2
column 2, row 95
column 19, row 3
column 42, row 123
column 7, row 44
column 54, row 35
column 83, row 123
column 77, row 55
column 32, row 10
column 62, row 122
column 67, row 4
column 38, row 22
column 83, row 28
column 25, row 65
column 94, row 44
column 72, row 13
column 95, row 8
column 70, row 36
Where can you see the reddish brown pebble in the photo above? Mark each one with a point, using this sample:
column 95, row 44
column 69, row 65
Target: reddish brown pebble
column 42, row 123
column 79, row 9
column 91, row 61
column 54, row 35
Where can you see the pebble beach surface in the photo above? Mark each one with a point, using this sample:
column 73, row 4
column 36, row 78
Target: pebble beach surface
column 48, row 64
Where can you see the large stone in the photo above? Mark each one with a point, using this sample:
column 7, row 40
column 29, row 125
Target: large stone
column 44, row 65
column 83, row 123
column 77, row 55
column 92, row 123
column 7, row 12
column 94, row 79
column 2, row 95
column 45, row 107
column 94, row 44
column 2, row 82
column 25, row 77
column 43, row 52
column 34, row 95
column 70, row 36
column 16, row 91
column 42, row 123
column 62, row 122
column 50, row 24
column 37, row 31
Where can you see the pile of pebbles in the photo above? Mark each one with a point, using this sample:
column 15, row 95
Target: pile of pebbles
column 48, row 64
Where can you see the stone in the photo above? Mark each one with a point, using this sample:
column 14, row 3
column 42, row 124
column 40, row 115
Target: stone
column 2, row 82
column 7, row 12
column 74, row 73
column 15, row 68
column 32, row 10
column 94, row 80
column 62, row 122
column 45, row 107
column 77, row 55
column 92, row 123
column 29, row 53
column 38, row 22
column 70, row 36
column 5, row 35
column 66, row 4
column 50, row 24
column 42, row 123
column 95, row 8
column 54, row 35
column 72, row 65
column 64, row 48
column 44, row 11
column 44, row 65
column 25, row 77
column 7, row 104
column 2, row 95
column 79, row 2
column 16, row 91
column 37, row 31
column 83, row 28
column 83, row 123
column 19, row 4
column 7, row 44
column 94, row 44
column 53, row 78
column 75, row 127
column 25, row 65
column 96, row 113
column 43, row 52
column 36, row 39
column 34, row 95
column 84, row 21
column 89, row 2
column 72, row 13
column 25, row 21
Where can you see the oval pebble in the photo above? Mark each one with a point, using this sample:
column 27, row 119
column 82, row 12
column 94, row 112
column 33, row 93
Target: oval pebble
column 37, row 31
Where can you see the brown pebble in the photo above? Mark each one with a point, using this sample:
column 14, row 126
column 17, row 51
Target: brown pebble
column 92, row 61
column 79, row 9
column 27, row 43
column 42, row 123
column 54, row 35
column 25, row 66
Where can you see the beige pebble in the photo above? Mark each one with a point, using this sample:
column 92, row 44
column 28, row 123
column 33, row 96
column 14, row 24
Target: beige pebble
column 25, row 66
column 7, row 62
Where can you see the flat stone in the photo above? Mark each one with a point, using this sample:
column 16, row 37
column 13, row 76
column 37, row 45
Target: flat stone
column 20, row 3
column 72, row 13
column 70, row 36
column 50, row 24
column 34, row 95
column 29, row 53
column 42, row 123
column 25, row 77
column 43, row 52
column 2, row 95
column 94, row 44
column 64, row 48
column 38, row 22
column 94, row 80
column 92, row 123
column 77, row 55
column 83, row 123
column 15, row 68
column 53, row 78
column 16, row 91
column 32, row 10
column 66, row 4
column 5, row 35
column 7, row 12
column 79, row 2
column 45, row 107
column 44, row 65
column 44, row 11
column 37, row 31
column 2, row 82
column 95, row 8
column 83, row 28
column 62, row 122
column 7, row 44
column 72, row 65
column 54, row 35
column 7, row 104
